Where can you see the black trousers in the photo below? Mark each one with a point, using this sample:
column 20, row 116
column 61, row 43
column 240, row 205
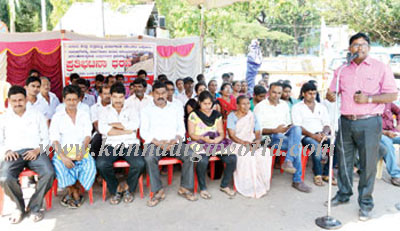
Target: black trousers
column 95, row 145
column 10, row 170
column 104, row 163
column 363, row 136
column 201, row 169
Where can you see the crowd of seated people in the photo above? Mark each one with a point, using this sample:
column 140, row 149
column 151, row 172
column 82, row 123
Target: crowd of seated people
column 94, row 126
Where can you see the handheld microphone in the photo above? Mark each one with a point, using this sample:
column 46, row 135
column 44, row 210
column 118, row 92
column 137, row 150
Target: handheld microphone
column 350, row 57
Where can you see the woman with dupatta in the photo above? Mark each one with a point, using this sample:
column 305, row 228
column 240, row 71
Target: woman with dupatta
column 207, row 137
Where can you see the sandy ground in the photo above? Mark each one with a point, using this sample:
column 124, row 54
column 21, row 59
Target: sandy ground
column 283, row 208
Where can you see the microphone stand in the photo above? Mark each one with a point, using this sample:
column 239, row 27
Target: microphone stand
column 329, row 222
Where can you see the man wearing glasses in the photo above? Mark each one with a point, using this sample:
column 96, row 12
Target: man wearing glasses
column 365, row 86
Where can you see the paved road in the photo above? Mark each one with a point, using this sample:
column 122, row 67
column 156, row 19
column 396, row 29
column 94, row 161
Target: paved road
column 282, row 209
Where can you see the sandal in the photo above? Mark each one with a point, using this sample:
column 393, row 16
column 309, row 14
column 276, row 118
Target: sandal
column 231, row 193
column 326, row 179
column 157, row 198
column 37, row 216
column 16, row 217
column 116, row 199
column 65, row 200
column 79, row 202
column 188, row 195
column 128, row 197
column 318, row 181
column 205, row 194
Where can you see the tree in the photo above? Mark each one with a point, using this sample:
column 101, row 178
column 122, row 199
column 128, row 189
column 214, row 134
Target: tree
column 24, row 16
column 297, row 18
column 227, row 29
column 378, row 18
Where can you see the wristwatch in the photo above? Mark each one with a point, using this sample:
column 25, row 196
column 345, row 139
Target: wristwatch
column 369, row 99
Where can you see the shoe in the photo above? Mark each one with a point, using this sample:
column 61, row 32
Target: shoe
column 396, row 181
column 301, row 187
column 364, row 215
column 336, row 202
column 287, row 166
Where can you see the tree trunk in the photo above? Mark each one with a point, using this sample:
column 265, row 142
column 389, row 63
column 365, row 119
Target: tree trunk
column 11, row 5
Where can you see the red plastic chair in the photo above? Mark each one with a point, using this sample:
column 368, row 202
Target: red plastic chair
column 169, row 162
column 211, row 161
column 26, row 173
column 304, row 160
column 122, row 164
column 90, row 192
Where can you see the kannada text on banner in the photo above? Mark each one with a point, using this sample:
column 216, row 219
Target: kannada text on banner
column 89, row 58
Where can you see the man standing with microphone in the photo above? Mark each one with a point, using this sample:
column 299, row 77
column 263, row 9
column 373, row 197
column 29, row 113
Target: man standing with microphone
column 365, row 85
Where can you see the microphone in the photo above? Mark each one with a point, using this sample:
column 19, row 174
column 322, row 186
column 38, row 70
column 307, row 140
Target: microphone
column 350, row 57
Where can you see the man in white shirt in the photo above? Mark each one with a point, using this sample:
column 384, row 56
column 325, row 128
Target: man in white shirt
column 95, row 112
column 188, row 93
column 47, row 96
column 273, row 114
column 81, row 106
column 142, row 74
column 32, row 87
column 70, row 132
column 163, row 130
column 171, row 96
column 23, row 141
column 139, row 99
column 118, row 124
column 313, row 119
column 84, row 85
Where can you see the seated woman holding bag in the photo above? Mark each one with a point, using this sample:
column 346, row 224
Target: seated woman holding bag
column 207, row 137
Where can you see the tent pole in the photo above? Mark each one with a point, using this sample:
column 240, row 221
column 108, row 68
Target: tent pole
column 202, row 38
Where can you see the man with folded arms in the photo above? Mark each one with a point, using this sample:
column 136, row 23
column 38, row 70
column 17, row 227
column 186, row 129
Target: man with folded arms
column 23, row 134
column 274, row 117
column 162, row 128
column 118, row 124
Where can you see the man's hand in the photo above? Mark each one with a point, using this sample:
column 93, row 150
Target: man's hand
column 331, row 96
column 117, row 126
column 80, row 154
column 31, row 155
column 318, row 137
column 67, row 162
column 282, row 128
column 390, row 134
column 360, row 98
column 11, row 156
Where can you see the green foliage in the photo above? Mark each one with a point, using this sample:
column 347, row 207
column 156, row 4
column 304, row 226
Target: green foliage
column 28, row 15
column 378, row 18
column 283, row 26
